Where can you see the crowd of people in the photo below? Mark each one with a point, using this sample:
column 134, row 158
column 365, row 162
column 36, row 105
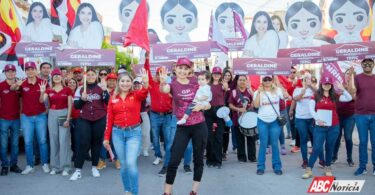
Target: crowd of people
column 67, row 117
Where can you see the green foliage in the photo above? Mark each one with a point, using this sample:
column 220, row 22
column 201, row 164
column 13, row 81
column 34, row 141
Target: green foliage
column 122, row 58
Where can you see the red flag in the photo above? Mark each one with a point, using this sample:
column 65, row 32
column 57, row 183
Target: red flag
column 9, row 28
column 137, row 33
column 63, row 13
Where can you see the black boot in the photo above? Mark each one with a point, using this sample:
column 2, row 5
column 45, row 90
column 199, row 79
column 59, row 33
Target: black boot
column 4, row 171
column 15, row 169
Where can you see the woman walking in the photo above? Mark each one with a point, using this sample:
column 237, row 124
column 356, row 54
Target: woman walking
column 123, row 125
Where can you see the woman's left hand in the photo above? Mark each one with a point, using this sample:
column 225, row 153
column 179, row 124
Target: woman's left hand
column 66, row 124
column 198, row 108
column 144, row 75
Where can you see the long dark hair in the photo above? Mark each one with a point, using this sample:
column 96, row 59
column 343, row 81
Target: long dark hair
column 212, row 78
column 320, row 94
column 256, row 16
column 280, row 21
column 30, row 17
column 77, row 22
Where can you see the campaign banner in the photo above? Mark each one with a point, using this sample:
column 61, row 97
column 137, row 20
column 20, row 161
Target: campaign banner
column 348, row 51
column 308, row 55
column 262, row 66
column 86, row 57
column 154, row 66
column 117, row 38
column 36, row 49
column 233, row 44
column 333, row 70
column 173, row 51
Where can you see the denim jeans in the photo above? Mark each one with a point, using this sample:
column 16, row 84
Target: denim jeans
column 161, row 123
column 327, row 135
column 103, row 152
column 304, row 126
column 272, row 131
column 364, row 124
column 127, row 143
column 35, row 124
column 347, row 125
column 189, row 149
column 290, row 126
column 12, row 128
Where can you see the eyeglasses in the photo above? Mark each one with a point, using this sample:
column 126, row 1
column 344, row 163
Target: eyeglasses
column 293, row 72
column 102, row 74
column 267, row 79
column 368, row 64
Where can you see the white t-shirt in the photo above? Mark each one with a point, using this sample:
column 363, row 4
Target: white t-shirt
column 302, row 106
column 266, row 113
column 203, row 91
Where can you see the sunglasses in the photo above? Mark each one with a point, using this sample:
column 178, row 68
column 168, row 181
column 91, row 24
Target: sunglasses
column 267, row 79
column 102, row 74
column 293, row 72
column 367, row 64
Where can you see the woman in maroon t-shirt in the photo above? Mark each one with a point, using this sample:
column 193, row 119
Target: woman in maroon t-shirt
column 60, row 101
column 346, row 111
column 183, row 91
column 240, row 101
column 323, row 109
column 215, row 124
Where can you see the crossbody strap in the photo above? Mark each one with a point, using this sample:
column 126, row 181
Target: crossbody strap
column 272, row 104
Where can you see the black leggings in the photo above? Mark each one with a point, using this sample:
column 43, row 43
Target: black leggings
column 250, row 146
column 214, row 151
column 198, row 134
column 91, row 136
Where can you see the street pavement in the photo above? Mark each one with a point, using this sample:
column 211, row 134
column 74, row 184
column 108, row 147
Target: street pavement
column 233, row 179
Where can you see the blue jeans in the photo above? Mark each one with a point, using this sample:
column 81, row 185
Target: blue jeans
column 272, row 131
column 12, row 127
column 327, row 135
column 282, row 135
column 304, row 126
column 103, row 151
column 347, row 125
column 127, row 143
column 35, row 124
column 161, row 123
column 365, row 123
column 189, row 149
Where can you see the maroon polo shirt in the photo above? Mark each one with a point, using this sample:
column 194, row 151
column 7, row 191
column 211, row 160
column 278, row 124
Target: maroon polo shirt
column 9, row 102
column 59, row 100
column 218, row 95
column 30, row 94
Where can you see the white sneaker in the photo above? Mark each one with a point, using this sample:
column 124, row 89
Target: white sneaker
column 157, row 161
column 27, row 170
column 292, row 143
column 45, row 168
column 76, row 175
column 53, row 172
column 309, row 144
column 65, row 173
column 95, row 172
column 145, row 153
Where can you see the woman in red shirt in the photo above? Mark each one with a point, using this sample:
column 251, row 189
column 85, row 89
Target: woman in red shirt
column 323, row 109
column 123, row 119
column 60, row 100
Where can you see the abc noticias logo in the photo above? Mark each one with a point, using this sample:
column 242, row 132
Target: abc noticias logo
column 324, row 184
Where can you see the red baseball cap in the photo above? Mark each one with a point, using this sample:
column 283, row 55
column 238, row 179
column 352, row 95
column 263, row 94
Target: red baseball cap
column 216, row 70
column 55, row 72
column 111, row 76
column 326, row 80
column 9, row 67
column 184, row 61
column 30, row 65
column 77, row 69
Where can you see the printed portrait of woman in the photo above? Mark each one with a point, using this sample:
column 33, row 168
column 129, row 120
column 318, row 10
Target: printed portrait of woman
column 304, row 20
column 279, row 27
column 263, row 41
column 87, row 31
column 225, row 19
column 179, row 18
column 39, row 27
column 127, row 11
column 349, row 18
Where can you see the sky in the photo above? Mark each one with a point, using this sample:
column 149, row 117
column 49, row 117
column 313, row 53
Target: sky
column 109, row 10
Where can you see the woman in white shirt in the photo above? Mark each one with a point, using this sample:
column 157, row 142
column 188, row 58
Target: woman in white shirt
column 327, row 125
column 267, row 99
column 279, row 27
column 87, row 32
column 263, row 41
column 304, row 120
column 349, row 18
column 39, row 27
column 304, row 20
